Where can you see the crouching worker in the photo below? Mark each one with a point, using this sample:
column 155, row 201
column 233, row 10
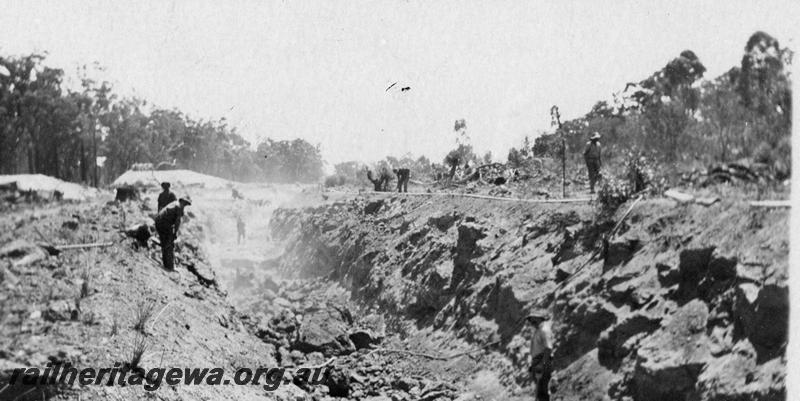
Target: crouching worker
column 541, row 354
column 168, row 222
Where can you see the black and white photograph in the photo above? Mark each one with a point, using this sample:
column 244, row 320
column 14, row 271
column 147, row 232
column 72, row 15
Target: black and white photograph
column 398, row 200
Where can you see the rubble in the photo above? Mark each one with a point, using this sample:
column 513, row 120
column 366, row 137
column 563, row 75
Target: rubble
column 324, row 331
column 22, row 252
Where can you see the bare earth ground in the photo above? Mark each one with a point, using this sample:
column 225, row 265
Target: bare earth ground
column 197, row 327
column 411, row 298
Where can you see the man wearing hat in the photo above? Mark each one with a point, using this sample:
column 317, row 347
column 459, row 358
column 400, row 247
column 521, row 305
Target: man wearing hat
column 166, row 196
column 592, row 157
column 168, row 221
column 541, row 354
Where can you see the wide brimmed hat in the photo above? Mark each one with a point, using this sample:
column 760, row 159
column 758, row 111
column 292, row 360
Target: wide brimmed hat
column 165, row 185
column 186, row 200
column 596, row 135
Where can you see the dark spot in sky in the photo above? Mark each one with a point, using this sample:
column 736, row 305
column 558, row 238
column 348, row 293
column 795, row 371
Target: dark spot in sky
column 407, row 88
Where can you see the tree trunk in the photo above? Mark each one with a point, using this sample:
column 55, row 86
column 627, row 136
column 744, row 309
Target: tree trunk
column 94, row 155
column 83, row 166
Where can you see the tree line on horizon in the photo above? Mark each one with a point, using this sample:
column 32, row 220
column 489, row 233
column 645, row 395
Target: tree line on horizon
column 681, row 121
column 48, row 128
column 673, row 116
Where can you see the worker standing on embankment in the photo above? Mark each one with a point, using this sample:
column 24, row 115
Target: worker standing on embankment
column 592, row 157
column 168, row 222
column 166, row 196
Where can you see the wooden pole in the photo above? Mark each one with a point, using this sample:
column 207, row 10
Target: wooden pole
column 771, row 203
column 82, row 246
column 563, row 165
column 556, row 122
column 94, row 151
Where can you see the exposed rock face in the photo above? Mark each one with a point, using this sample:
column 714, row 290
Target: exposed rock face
column 669, row 361
column 763, row 320
column 677, row 306
column 373, row 207
column 620, row 340
column 466, row 249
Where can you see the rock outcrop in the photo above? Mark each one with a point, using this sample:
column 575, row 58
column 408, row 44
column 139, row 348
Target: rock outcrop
column 683, row 302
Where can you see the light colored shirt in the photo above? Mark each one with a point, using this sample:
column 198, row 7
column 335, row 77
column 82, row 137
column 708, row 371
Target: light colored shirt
column 541, row 338
column 170, row 216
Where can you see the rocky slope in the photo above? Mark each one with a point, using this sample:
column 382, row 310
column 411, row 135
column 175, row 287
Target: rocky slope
column 82, row 306
column 684, row 302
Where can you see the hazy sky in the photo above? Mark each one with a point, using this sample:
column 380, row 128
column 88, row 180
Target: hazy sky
column 319, row 70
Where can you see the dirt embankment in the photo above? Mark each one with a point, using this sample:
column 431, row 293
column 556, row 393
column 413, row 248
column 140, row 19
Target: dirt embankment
column 83, row 306
column 684, row 302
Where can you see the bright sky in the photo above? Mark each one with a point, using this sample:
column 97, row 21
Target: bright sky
column 319, row 70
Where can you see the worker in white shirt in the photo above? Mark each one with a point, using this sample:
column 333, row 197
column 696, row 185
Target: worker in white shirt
column 541, row 354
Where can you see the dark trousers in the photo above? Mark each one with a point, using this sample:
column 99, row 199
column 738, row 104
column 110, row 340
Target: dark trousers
column 544, row 370
column 594, row 173
column 167, row 238
column 402, row 184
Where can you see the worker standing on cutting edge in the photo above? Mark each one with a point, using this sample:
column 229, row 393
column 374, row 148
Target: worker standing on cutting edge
column 541, row 354
column 592, row 157
column 166, row 196
column 168, row 222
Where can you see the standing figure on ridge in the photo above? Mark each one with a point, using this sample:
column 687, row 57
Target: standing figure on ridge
column 166, row 196
column 591, row 155
column 403, row 175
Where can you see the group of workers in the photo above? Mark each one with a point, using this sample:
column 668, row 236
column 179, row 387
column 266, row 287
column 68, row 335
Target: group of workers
column 168, row 223
column 591, row 156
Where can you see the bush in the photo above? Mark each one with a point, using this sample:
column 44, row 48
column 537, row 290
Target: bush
column 144, row 310
column 138, row 349
column 639, row 176
column 639, row 172
column 613, row 193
